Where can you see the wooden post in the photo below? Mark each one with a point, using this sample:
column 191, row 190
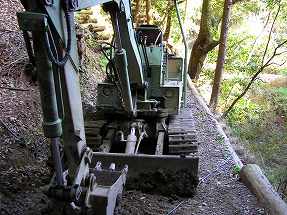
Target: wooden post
column 256, row 181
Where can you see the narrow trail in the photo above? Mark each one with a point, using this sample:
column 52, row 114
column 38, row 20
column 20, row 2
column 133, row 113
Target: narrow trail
column 219, row 191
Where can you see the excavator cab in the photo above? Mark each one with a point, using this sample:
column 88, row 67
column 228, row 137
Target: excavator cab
column 149, row 35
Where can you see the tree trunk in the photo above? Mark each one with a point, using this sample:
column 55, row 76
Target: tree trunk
column 137, row 12
column 148, row 7
column 221, row 54
column 168, row 27
column 203, row 44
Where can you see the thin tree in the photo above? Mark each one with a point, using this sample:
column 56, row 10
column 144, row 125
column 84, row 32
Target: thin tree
column 148, row 11
column 168, row 26
column 137, row 11
column 221, row 54
column 264, row 63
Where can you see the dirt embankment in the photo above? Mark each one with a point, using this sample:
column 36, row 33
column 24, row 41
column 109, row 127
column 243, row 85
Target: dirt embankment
column 24, row 151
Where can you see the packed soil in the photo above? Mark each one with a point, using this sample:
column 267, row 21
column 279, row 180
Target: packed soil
column 24, row 152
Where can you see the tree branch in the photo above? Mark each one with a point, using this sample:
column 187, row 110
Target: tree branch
column 279, row 64
column 262, row 67
column 212, row 45
column 13, row 88
column 237, row 1
column 270, row 33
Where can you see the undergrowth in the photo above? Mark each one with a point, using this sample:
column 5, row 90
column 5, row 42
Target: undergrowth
column 259, row 120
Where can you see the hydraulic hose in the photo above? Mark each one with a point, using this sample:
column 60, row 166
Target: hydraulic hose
column 51, row 56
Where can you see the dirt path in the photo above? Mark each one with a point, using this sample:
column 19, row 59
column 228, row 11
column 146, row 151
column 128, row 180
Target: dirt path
column 219, row 192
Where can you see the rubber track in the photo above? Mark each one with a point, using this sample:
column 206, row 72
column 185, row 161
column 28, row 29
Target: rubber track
column 181, row 134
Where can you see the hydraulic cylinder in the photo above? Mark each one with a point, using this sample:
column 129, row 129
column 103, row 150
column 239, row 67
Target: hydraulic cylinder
column 122, row 69
column 52, row 125
column 37, row 23
column 131, row 142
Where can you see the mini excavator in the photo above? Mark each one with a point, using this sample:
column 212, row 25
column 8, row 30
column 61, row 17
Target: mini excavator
column 132, row 140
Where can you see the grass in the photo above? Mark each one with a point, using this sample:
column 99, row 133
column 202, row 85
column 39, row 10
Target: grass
column 236, row 169
column 282, row 91
column 261, row 123
column 219, row 139
column 283, row 71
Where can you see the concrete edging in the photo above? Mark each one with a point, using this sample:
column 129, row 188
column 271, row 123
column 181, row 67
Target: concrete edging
column 253, row 177
column 227, row 143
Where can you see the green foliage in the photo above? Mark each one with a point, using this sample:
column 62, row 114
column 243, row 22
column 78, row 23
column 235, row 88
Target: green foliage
column 283, row 71
column 271, row 3
column 220, row 139
column 175, row 31
column 212, row 56
column 237, row 59
column 161, row 8
column 238, row 54
column 216, row 11
column 240, row 115
column 280, row 100
column 244, row 9
column 276, row 176
column 236, row 169
column 103, row 62
column 259, row 120
column 282, row 91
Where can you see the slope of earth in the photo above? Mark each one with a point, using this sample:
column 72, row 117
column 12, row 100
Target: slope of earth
column 24, row 151
column 219, row 191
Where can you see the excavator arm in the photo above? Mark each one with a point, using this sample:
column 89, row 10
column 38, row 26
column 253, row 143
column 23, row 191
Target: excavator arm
column 52, row 28
column 49, row 32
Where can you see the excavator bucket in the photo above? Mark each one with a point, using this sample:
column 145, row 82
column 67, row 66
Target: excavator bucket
column 161, row 174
